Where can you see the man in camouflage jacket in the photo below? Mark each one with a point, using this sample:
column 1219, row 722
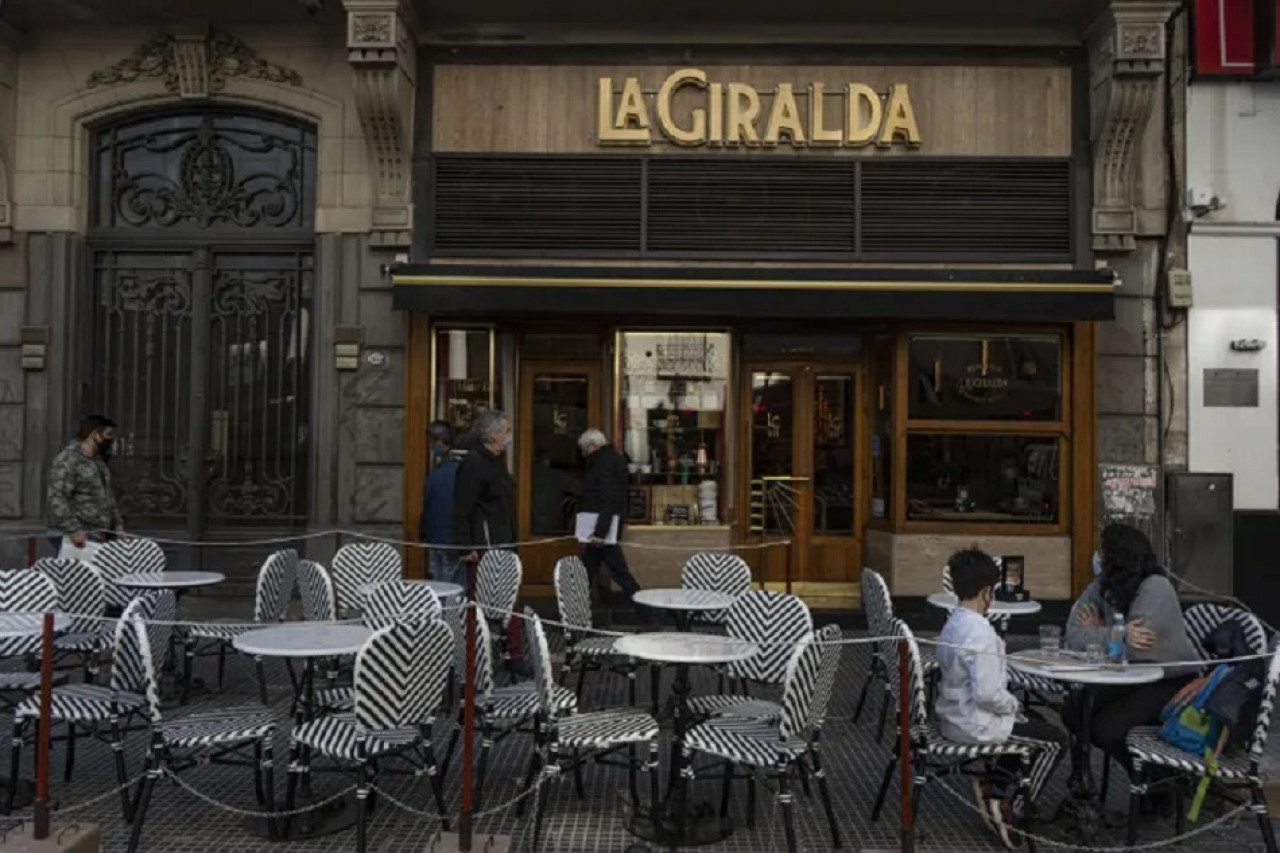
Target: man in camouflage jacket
column 82, row 505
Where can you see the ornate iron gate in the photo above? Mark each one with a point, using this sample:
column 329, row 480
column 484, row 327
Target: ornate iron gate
column 202, row 269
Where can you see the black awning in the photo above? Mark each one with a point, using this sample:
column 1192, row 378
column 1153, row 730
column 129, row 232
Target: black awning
column 449, row 290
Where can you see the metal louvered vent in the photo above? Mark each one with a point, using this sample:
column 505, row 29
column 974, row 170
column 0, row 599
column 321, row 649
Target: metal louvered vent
column 771, row 205
column 957, row 209
column 754, row 207
column 537, row 205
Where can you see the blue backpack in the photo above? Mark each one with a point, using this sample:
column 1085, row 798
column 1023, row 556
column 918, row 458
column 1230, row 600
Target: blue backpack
column 1187, row 723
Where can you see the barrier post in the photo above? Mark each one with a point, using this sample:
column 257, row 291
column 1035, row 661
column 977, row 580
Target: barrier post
column 42, row 748
column 468, row 712
column 31, row 551
column 907, row 830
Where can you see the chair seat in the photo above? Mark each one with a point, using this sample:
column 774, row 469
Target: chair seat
column 79, row 642
column 218, row 631
column 1039, row 684
column 337, row 737
column 602, row 729
column 27, row 682
column 83, row 703
column 929, row 662
column 935, row 745
column 729, row 705
column 336, row 699
column 1146, row 747
column 743, row 740
column 594, row 646
column 518, row 701
column 219, row 728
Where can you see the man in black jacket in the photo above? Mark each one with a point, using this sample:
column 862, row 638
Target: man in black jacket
column 605, row 493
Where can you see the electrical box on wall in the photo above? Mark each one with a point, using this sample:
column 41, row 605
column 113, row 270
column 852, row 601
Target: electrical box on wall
column 1180, row 294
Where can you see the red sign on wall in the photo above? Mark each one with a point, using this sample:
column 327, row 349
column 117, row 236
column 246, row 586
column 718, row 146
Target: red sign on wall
column 1224, row 37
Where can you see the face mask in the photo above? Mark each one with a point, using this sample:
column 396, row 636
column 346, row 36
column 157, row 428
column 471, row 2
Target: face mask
column 105, row 446
column 1097, row 565
column 438, row 452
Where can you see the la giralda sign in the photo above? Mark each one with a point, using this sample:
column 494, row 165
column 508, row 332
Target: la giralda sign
column 731, row 114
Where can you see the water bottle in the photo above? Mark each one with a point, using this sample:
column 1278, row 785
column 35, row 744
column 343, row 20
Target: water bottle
column 1117, row 650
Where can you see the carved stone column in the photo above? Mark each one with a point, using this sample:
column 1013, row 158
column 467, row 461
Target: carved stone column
column 1127, row 58
column 381, row 47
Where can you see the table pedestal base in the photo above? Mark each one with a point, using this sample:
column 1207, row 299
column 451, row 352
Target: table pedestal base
column 662, row 826
column 325, row 820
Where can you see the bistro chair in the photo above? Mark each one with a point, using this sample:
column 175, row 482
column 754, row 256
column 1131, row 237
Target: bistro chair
column 399, row 681
column 1231, row 774
column 362, row 564
column 24, row 591
column 212, row 737
column 877, row 603
column 315, row 592
column 932, row 755
column 716, row 572
column 498, row 578
column 566, row 741
column 121, row 557
column 82, row 595
column 776, row 747
column 585, row 649
column 274, row 590
column 103, row 711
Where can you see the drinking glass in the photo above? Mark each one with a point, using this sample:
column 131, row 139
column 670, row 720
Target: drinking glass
column 1050, row 639
column 1093, row 654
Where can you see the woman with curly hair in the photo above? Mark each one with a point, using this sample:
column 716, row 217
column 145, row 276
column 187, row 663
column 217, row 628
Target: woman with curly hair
column 1132, row 583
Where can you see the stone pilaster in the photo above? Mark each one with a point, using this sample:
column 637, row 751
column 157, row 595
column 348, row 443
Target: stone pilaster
column 381, row 48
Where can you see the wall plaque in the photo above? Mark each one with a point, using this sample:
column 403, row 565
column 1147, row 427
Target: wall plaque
column 1231, row 387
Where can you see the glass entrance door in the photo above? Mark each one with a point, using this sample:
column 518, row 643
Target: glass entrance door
column 558, row 401
column 803, row 471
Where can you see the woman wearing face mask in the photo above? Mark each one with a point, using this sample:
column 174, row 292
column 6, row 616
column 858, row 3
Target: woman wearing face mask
column 1130, row 582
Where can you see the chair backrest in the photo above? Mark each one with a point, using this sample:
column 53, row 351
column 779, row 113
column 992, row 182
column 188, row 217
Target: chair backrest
column 915, row 670
column 360, row 564
column 400, row 675
column 1266, row 708
column 276, row 580
column 126, row 557
column 484, row 657
column 1203, row 619
column 315, row 590
column 948, row 585
column 81, row 591
column 830, row 638
column 498, row 580
column 25, row 591
column 133, row 652
column 573, row 593
column 775, row 620
column 541, row 657
column 716, row 572
column 804, row 672
column 393, row 601
column 877, row 603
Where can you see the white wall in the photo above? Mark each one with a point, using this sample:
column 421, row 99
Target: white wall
column 1233, row 148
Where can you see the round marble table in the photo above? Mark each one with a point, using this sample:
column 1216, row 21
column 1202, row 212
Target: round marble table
column 169, row 580
column 661, row 824
column 14, row 625
column 948, row 601
column 683, row 603
column 442, row 589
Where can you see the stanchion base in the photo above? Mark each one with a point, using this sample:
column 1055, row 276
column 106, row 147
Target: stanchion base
column 662, row 826
column 448, row 842
column 325, row 820
column 63, row 838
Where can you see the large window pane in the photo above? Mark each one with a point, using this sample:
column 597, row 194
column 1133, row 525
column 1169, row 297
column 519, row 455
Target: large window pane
column 985, row 377
column 773, row 427
column 882, row 427
column 833, row 444
column 561, row 412
column 464, row 376
column 671, row 409
column 974, row 479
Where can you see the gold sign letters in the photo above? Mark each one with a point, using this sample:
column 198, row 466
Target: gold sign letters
column 732, row 114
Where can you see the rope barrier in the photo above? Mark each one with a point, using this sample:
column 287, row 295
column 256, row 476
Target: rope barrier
column 23, row 815
column 236, row 810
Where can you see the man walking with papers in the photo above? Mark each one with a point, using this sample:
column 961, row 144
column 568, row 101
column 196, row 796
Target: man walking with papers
column 604, row 505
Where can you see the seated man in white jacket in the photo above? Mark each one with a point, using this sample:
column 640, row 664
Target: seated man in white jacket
column 974, row 704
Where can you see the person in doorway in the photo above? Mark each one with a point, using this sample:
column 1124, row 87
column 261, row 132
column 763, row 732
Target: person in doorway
column 484, row 508
column 604, row 493
column 81, row 501
column 435, row 526
column 974, row 704
column 1130, row 582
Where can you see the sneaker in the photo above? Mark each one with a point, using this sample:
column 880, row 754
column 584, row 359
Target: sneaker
column 1001, row 815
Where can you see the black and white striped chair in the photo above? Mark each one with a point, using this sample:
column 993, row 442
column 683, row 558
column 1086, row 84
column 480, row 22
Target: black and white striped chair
column 23, row 591
column 498, row 578
column 358, row 565
column 566, row 741
column 585, row 649
column 274, row 590
column 82, row 595
column 121, row 557
column 315, row 592
column 1203, row 619
column 775, row 747
column 400, row 675
column 934, row 756
column 716, row 572
column 240, row 737
column 102, row 711
column 877, row 603
column 1231, row 773
column 777, row 622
